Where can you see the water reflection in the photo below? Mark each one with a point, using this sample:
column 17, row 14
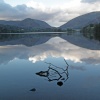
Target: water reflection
column 54, row 47
column 83, row 42
column 23, row 39
column 36, row 68
column 55, row 73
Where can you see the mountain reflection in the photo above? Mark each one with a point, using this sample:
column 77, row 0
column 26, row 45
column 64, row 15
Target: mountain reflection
column 55, row 73
column 54, row 47
column 23, row 39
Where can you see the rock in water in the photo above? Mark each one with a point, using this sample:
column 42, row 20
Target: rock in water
column 33, row 90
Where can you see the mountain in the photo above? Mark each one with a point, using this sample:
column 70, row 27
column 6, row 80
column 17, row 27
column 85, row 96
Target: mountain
column 83, row 20
column 27, row 23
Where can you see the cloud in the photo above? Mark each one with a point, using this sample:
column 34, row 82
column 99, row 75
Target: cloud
column 90, row 1
column 82, row 68
column 91, row 60
column 19, row 12
column 54, row 15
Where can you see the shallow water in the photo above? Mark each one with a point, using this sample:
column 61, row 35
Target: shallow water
column 48, row 68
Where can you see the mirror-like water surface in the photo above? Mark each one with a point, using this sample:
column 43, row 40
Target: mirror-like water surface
column 49, row 67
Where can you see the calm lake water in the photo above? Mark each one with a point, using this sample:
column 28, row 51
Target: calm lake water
column 49, row 67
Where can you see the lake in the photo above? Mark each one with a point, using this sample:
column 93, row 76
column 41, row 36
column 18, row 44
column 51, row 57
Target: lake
column 49, row 67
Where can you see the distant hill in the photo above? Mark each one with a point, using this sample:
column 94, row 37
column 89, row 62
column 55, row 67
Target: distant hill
column 83, row 20
column 27, row 23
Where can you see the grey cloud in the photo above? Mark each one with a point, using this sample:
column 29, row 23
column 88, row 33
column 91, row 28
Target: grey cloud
column 73, row 67
column 20, row 12
column 90, row 1
column 91, row 60
column 55, row 16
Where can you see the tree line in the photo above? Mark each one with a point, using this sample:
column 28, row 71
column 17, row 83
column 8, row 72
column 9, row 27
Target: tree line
column 10, row 29
column 15, row 29
column 92, row 31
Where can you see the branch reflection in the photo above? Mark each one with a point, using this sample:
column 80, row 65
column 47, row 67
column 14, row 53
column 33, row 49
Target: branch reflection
column 55, row 73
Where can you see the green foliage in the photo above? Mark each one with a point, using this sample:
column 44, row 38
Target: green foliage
column 88, row 29
column 10, row 29
column 70, row 30
column 92, row 31
column 97, row 31
column 15, row 29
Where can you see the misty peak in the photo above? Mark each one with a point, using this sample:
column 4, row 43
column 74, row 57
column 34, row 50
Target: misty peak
column 27, row 19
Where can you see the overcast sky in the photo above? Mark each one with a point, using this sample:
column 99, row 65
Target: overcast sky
column 54, row 12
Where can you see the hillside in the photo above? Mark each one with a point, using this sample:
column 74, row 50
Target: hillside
column 27, row 23
column 91, row 31
column 83, row 20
